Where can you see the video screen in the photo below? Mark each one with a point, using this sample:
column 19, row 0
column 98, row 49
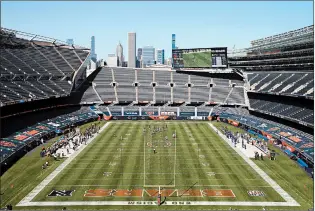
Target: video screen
column 199, row 58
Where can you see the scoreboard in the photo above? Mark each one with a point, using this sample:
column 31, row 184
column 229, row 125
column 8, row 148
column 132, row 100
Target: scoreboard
column 200, row 58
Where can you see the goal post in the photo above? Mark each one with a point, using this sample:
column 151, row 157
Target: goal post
column 159, row 196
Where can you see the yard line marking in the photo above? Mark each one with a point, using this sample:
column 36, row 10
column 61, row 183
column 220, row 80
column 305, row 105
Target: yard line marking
column 141, row 186
column 178, row 157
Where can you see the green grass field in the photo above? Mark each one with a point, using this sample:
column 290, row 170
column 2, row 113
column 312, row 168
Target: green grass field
column 197, row 59
column 196, row 166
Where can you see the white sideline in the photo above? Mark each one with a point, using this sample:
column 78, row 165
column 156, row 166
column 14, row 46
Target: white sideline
column 265, row 176
column 31, row 195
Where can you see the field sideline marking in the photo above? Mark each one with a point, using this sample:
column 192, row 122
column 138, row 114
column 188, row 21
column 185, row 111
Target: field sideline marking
column 263, row 174
column 141, row 186
column 31, row 195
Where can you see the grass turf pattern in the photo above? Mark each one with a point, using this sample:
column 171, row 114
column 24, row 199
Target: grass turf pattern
column 200, row 157
column 200, row 153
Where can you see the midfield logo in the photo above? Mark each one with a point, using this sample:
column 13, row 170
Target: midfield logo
column 61, row 193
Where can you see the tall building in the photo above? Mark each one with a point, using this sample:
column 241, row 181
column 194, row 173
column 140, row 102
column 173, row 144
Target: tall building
column 173, row 41
column 139, row 54
column 132, row 49
column 148, row 56
column 93, row 54
column 70, row 42
column 160, row 56
column 112, row 60
column 120, row 54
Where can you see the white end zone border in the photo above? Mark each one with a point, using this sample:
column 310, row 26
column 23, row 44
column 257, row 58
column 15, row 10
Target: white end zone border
column 27, row 200
column 31, row 195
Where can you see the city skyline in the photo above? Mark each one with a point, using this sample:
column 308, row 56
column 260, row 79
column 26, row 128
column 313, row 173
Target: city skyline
column 229, row 24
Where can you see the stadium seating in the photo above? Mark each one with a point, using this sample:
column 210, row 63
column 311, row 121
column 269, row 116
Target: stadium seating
column 299, row 84
column 285, row 110
column 90, row 96
column 286, row 55
column 126, row 91
column 36, row 69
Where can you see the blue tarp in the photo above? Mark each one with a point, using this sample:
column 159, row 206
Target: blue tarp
column 302, row 163
column 252, row 132
column 288, row 152
column 262, row 137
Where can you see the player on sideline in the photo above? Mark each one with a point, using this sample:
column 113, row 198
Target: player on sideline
column 154, row 150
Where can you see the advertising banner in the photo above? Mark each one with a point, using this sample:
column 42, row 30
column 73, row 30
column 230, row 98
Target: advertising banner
column 130, row 118
column 159, row 117
column 116, row 113
column 186, row 113
column 149, row 113
column 202, row 113
column 168, row 113
column 197, row 118
column 131, row 113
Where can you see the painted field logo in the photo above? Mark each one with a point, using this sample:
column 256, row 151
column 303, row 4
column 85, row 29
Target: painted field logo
column 61, row 193
column 256, row 193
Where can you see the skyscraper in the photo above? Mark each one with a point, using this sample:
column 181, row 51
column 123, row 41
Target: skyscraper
column 70, row 42
column 148, row 56
column 132, row 49
column 139, row 54
column 120, row 54
column 160, row 56
column 112, row 60
column 173, row 41
column 93, row 54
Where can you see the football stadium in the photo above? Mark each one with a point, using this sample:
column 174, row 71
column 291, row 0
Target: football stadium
column 121, row 138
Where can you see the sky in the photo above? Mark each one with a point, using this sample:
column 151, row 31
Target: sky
column 196, row 24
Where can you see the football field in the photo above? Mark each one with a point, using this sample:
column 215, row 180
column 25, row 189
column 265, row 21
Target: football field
column 197, row 59
column 191, row 165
